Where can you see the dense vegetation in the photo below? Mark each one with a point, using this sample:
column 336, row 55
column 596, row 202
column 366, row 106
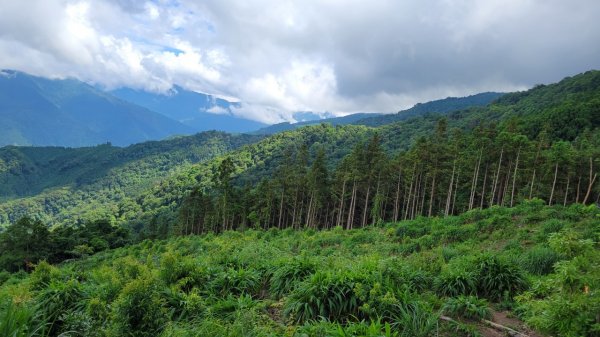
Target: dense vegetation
column 324, row 230
column 102, row 182
column 396, row 279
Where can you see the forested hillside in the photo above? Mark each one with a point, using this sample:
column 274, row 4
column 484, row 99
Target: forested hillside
column 478, row 151
column 427, row 166
column 99, row 182
column 428, row 226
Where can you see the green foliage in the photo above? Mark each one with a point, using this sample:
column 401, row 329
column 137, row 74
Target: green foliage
column 323, row 282
column 237, row 281
column 469, row 307
column 27, row 242
column 22, row 321
column 375, row 328
column 323, row 295
column 455, row 282
column 289, row 274
column 539, row 260
column 415, row 319
column 496, row 276
column 139, row 310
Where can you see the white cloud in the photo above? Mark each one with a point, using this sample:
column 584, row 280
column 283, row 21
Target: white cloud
column 217, row 110
column 278, row 57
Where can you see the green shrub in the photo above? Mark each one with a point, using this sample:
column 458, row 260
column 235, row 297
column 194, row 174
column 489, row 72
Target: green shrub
column 415, row 319
column 572, row 315
column 22, row 321
column 539, row 260
column 412, row 229
column 4, row 276
column 139, row 310
column 375, row 328
column 288, row 275
column 43, row 274
column 495, row 276
column 552, row 226
column 323, row 295
column 396, row 274
column 568, row 243
column 495, row 221
column 57, row 299
column 237, row 282
column 448, row 253
column 469, row 307
column 455, row 282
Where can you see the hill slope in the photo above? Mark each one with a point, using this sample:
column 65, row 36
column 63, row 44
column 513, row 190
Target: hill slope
column 392, row 280
column 73, row 185
column 39, row 111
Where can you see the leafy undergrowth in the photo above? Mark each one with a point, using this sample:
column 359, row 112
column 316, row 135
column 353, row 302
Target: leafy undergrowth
column 538, row 262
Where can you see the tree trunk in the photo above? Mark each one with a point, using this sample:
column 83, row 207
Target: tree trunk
column 455, row 192
column 483, row 188
column 294, row 209
column 537, row 155
column 352, row 206
column 397, row 200
column 592, row 180
column 504, row 186
column 408, row 201
column 422, row 205
column 415, row 198
column 415, row 204
column 309, row 212
column 280, row 209
column 567, row 191
column 496, row 177
column 449, row 197
column 341, row 214
column 364, row 219
column 512, row 193
column 432, row 194
column 474, row 181
column 553, row 183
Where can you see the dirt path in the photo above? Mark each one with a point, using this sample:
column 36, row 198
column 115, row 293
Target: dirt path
column 503, row 318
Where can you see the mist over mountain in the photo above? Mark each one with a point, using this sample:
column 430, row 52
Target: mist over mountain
column 442, row 106
column 199, row 111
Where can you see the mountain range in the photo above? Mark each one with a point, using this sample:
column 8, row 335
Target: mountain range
column 442, row 106
column 67, row 112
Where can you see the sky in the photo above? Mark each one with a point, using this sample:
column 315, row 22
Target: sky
column 279, row 57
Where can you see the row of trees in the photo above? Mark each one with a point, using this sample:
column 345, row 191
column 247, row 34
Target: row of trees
column 29, row 241
column 447, row 173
